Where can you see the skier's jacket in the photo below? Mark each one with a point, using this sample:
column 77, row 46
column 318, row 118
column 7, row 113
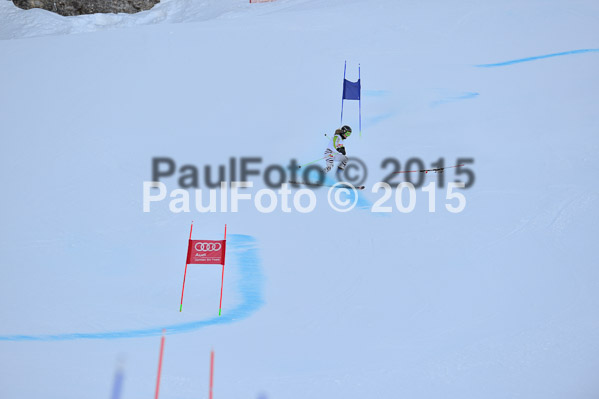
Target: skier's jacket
column 336, row 143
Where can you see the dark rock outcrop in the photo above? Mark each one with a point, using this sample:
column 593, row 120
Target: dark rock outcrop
column 78, row 7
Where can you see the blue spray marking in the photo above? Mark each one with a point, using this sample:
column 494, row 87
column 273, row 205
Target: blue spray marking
column 538, row 57
column 375, row 120
column 250, row 286
column 362, row 203
column 449, row 99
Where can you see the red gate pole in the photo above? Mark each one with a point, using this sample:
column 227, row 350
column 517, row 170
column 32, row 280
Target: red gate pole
column 211, row 371
column 185, row 274
column 222, row 279
column 159, row 365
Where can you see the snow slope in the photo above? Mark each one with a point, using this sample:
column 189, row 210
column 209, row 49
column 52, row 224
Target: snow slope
column 497, row 301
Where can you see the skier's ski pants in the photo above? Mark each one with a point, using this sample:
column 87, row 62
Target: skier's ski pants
column 335, row 156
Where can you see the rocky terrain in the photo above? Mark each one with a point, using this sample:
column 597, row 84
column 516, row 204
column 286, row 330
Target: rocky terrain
column 78, row 7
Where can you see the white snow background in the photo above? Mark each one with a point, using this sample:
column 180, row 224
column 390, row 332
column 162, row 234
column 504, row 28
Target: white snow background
column 499, row 301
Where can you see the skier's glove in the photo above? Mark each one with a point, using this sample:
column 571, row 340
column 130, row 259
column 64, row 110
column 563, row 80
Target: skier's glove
column 341, row 150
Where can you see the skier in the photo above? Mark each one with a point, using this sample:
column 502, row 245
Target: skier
column 336, row 150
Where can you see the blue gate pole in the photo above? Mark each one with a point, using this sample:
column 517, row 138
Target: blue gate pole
column 342, row 93
column 360, row 101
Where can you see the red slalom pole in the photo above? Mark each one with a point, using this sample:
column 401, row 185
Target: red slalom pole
column 222, row 280
column 211, row 371
column 185, row 274
column 159, row 365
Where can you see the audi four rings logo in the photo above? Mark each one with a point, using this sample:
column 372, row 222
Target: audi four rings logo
column 208, row 246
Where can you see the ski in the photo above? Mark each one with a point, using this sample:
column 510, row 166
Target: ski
column 436, row 170
column 324, row 185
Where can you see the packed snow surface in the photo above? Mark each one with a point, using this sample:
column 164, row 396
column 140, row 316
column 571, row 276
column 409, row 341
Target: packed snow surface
column 497, row 301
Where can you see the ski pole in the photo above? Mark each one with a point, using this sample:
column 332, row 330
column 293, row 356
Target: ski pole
column 310, row 163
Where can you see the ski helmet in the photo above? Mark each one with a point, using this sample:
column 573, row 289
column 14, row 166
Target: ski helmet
column 345, row 131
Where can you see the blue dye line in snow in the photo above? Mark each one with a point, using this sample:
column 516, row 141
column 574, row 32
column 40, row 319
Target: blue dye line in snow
column 374, row 120
column 538, row 57
column 462, row 96
column 244, row 249
column 361, row 202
